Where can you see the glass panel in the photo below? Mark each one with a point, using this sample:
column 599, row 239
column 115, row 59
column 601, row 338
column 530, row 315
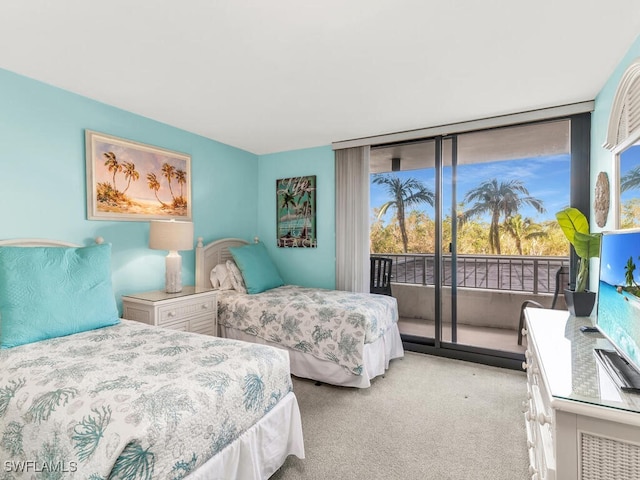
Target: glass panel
column 510, row 183
column 630, row 187
column 402, row 219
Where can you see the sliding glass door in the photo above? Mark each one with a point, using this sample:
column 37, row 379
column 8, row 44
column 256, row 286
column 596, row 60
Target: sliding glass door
column 469, row 222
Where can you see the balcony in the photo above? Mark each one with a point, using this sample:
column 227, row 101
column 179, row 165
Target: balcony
column 491, row 289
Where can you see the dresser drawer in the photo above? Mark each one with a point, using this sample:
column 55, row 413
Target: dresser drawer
column 184, row 310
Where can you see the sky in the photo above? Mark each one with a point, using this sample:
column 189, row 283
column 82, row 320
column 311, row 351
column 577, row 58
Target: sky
column 616, row 250
column 546, row 178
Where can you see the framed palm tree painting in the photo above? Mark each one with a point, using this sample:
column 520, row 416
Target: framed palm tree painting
column 296, row 212
column 128, row 180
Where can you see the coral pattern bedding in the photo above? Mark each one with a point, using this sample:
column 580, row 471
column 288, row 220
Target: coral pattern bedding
column 328, row 324
column 132, row 401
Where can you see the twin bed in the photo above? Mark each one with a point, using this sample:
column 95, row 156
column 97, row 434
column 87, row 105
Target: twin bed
column 126, row 400
column 335, row 337
column 86, row 394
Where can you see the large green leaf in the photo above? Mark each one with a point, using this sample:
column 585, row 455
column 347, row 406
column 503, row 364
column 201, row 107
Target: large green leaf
column 586, row 245
column 572, row 220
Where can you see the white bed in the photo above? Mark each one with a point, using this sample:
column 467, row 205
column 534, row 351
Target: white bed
column 79, row 401
column 372, row 357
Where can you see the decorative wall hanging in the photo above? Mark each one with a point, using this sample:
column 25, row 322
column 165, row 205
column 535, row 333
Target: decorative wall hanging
column 601, row 202
column 132, row 181
column 296, row 212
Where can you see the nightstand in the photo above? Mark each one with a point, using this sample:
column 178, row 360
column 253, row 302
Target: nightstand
column 191, row 310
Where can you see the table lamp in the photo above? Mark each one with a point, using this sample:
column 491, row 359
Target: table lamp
column 172, row 236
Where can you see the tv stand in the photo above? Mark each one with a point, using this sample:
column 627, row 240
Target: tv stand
column 579, row 424
column 623, row 375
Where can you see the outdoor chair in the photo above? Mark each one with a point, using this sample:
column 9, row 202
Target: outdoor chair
column 380, row 277
column 562, row 281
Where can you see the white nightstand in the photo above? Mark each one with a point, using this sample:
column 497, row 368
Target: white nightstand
column 191, row 310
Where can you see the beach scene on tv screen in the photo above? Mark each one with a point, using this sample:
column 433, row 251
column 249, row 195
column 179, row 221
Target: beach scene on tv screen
column 619, row 292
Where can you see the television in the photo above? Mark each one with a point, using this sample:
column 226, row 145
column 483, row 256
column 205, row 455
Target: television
column 618, row 307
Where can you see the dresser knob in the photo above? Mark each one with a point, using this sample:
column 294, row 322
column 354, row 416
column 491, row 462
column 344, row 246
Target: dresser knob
column 532, row 470
column 525, row 406
column 525, row 365
column 524, row 332
column 171, row 314
column 543, row 419
column 205, row 307
column 530, row 444
column 528, row 416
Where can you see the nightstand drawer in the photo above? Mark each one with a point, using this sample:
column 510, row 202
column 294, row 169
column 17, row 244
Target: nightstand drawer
column 186, row 309
column 192, row 310
column 204, row 325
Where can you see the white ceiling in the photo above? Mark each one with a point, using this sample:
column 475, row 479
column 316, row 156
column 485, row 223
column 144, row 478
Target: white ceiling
column 269, row 76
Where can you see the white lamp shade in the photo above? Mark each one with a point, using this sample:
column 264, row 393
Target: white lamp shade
column 171, row 235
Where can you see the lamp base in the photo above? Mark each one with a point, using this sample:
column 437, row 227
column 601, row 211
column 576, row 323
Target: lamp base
column 173, row 272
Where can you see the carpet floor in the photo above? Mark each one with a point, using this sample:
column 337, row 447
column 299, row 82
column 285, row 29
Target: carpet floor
column 427, row 418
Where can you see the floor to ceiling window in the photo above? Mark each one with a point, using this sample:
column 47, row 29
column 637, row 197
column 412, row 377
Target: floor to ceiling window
column 469, row 222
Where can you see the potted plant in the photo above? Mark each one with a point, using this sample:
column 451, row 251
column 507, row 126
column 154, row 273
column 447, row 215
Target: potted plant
column 575, row 227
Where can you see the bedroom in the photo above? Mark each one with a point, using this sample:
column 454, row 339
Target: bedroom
column 43, row 177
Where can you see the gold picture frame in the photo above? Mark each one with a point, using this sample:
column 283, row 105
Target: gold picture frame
column 132, row 181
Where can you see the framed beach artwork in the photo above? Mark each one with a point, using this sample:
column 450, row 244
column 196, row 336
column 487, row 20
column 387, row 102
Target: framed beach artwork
column 132, row 181
column 296, row 212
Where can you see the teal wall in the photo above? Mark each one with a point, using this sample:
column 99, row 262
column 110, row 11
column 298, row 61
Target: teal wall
column 601, row 158
column 42, row 179
column 314, row 267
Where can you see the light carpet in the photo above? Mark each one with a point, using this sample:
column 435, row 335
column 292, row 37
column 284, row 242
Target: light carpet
column 427, row 418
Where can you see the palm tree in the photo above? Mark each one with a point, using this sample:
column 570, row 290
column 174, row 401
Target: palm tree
column 181, row 178
column 112, row 163
column 630, row 180
column 168, row 172
column 407, row 193
column 629, row 268
column 498, row 199
column 522, row 229
column 130, row 173
column 154, row 184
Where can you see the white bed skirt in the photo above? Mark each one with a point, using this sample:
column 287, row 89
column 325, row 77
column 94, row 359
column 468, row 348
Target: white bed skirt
column 377, row 356
column 260, row 451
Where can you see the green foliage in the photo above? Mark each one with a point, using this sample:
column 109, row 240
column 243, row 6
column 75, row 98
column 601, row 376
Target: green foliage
column 543, row 238
column 575, row 227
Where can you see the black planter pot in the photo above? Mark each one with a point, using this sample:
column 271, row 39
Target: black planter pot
column 580, row 304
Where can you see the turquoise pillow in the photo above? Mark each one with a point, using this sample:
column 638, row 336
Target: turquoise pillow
column 258, row 271
column 48, row 292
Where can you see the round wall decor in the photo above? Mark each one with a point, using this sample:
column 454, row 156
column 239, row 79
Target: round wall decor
column 601, row 203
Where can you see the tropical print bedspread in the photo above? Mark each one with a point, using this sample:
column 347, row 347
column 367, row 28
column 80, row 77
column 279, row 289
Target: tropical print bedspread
column 329, row 324
column 131, row 401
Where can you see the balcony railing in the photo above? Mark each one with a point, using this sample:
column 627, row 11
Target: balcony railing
column 499, row 272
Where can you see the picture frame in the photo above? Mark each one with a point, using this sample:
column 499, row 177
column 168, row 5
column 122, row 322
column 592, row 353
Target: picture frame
column 296, row 212
column 132, row 181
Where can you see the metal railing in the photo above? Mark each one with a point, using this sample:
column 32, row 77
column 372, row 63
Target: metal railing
column 499, row 272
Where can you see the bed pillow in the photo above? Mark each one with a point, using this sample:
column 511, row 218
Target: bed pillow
column 236, row 277
column 48, row 292
column 220, row 278
column 258, row 271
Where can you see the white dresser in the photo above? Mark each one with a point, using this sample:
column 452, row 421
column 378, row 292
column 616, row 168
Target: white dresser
column 191, row 310
column 580, row 426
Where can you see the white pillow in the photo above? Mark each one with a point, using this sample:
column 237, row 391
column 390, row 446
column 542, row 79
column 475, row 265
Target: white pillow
column 236, row 277
column 220, row 277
